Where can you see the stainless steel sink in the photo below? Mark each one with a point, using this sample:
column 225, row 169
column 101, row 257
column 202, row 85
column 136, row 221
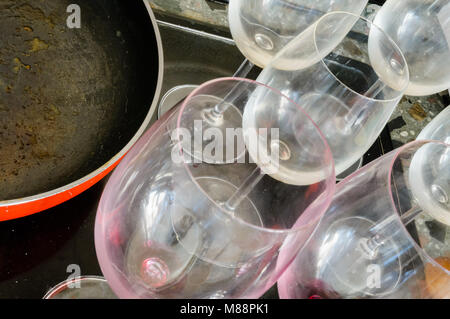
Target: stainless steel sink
column 194, row 57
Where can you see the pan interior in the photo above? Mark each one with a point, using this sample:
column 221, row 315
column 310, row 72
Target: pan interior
column 70, row 98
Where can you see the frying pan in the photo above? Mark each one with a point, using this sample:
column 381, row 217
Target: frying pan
column 72, row 100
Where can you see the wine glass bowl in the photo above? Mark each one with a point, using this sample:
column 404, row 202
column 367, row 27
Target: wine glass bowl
column 262, row 28
column 421, row 29
column 164, row 229
column 430, row 183
column 284, row 149
column 364, row 247
column 437, row 193
column 347, row 265
column 348, row 75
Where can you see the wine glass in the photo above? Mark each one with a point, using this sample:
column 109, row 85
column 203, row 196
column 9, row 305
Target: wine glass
column 262, row 28
column 169, row 226
column 438, row 128
column 421, row 28
column 346, row 83
column 364, row 246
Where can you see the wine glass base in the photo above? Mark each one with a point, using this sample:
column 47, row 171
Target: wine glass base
column 86, row 287
column 211, row 138
column 351, row 270
column 161, row 262
column 174, row 97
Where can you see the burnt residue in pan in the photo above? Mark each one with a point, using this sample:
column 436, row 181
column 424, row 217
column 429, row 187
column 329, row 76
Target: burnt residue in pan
column 70, row 99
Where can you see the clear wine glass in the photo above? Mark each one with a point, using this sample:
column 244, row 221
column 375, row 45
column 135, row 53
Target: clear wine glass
column 262, row 28
column 421, row 28
column 438, row 128
column 169, row 226
column 347, row 84
column 365, row 247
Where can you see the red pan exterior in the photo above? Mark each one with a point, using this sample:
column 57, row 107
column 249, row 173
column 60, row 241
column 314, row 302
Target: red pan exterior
column 28, row 208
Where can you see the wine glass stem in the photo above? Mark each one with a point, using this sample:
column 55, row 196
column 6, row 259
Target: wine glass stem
column 376, row 240
column 245, row 189
column 242, row 71
column 411, row 215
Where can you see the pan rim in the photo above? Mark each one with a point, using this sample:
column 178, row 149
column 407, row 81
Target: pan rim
column 116, row 158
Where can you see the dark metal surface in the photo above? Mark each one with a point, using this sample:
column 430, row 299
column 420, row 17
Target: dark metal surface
column 37, row 251
column 70, row 99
